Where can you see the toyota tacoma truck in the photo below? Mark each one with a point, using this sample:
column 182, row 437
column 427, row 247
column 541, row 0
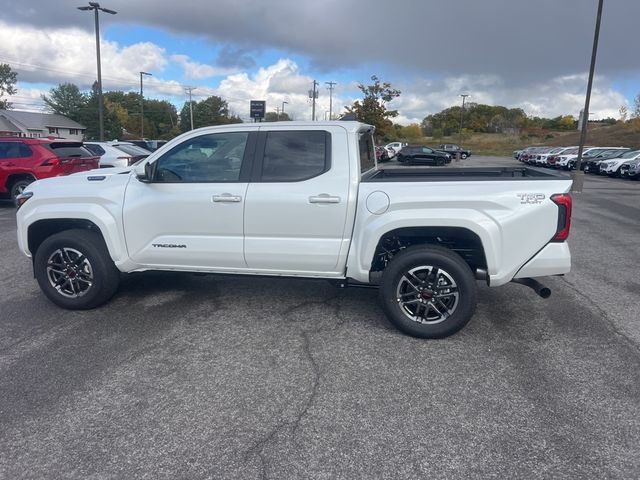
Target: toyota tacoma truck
column 289, row 199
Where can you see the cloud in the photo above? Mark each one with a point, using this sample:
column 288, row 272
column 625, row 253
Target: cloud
column 68, row 55
column 563, row 95
column 231, row 57
column 198, row 71
column 520, row 41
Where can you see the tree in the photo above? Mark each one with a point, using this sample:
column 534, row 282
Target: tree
column 113, row 128
column 8, row 79
column 410, row 132
column 372, row 108
column 636, row 106
column 276, row 117
column 624, row 113
column 210, row 111
column 66, row 99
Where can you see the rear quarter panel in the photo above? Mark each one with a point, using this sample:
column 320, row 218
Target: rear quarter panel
column 514, row 219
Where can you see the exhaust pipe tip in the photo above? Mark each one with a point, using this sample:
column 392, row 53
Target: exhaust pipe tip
column 536, row 286
column 544, row 292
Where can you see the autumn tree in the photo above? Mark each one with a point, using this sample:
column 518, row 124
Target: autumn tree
column 372, row 108
column 8, row 79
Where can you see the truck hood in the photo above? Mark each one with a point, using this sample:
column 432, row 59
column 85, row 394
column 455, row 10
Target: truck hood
column 104, row 171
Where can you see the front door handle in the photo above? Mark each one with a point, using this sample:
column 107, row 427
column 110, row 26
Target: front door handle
column 324, row 198
column 227, row 198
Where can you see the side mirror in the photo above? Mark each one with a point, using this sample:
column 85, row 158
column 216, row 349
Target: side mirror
column 144, row 172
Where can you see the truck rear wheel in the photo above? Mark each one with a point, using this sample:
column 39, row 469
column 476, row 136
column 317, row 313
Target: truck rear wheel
column 428, row 292
column 75, row 271
column 463, row 156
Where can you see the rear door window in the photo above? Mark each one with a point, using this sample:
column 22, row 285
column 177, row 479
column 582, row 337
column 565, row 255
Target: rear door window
column 293, row 156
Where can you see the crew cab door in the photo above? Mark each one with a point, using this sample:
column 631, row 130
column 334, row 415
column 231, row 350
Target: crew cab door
column 297, row 201
column 190, row 213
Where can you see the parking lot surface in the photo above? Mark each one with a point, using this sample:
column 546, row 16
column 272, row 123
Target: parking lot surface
column 187, row 376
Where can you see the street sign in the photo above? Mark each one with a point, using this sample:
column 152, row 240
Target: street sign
column 257, row 108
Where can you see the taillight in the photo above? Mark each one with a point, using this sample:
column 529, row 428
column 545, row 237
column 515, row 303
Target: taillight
column 563, row 200
column 50, row 162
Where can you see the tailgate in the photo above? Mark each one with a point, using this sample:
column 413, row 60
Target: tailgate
column 73, row 157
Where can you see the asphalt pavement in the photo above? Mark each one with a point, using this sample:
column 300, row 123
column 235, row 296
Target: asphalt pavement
column 187, row 376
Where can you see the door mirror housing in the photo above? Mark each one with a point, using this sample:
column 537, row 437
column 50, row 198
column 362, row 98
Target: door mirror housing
column 144, row 172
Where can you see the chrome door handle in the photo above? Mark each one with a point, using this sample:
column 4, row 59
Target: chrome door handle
column 227, row 198
column 324, row 198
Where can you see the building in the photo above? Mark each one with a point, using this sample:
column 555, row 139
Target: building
column 14, row 123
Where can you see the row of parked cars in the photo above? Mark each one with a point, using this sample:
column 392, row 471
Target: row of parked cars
column 611, row 161
column 419, row 154
column 24, row 160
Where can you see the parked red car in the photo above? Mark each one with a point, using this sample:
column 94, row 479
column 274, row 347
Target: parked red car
column 25, row 160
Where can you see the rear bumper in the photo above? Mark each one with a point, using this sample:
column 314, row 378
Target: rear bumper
column 554, row 259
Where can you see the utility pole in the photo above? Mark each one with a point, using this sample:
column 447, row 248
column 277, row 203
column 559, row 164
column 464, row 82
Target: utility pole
column 95, row 7
column 331, row 85
column 577, row 175
column 142, row 106
column 313, row 94
column 464, row 97
column 189, row 90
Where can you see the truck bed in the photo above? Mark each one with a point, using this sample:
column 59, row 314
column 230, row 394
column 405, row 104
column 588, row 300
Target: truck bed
column 448, row 174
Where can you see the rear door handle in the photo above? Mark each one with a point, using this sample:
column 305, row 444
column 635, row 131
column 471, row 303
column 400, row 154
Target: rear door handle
column 227, row 198
column 324, row 198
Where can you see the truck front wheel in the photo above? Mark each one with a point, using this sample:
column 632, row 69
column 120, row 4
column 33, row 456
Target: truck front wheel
column 428, row 292
column 75, row 271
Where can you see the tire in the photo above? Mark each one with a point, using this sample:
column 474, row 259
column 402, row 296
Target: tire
column 439, row 163
column 422, row 313
column 18, row 187
column 463, row 156
column 75, row 271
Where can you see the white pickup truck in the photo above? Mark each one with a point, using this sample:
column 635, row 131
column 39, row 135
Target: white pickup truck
column 289, row 199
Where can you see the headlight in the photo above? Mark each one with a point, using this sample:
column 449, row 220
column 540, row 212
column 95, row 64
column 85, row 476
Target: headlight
column 22, row 198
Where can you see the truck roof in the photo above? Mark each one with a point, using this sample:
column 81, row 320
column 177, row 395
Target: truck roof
column 350, row 126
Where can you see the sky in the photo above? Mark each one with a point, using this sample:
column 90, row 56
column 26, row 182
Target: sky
column 518, row 53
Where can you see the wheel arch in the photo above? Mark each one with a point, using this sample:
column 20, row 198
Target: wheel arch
column 16, row 177
column 460, row 240
column 40, row 230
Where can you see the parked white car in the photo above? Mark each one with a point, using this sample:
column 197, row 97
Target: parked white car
column 567, row 161
column 394, row 147
column 541, row 159
column 116, row 154
column 612, row 167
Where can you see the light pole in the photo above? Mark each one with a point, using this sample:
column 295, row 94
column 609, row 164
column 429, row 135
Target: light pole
column 578, row 175
column 95, row 6
column 189, row 90
column 464, row 97
column 142, row 106
column 331, row 85
column 283, row 104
